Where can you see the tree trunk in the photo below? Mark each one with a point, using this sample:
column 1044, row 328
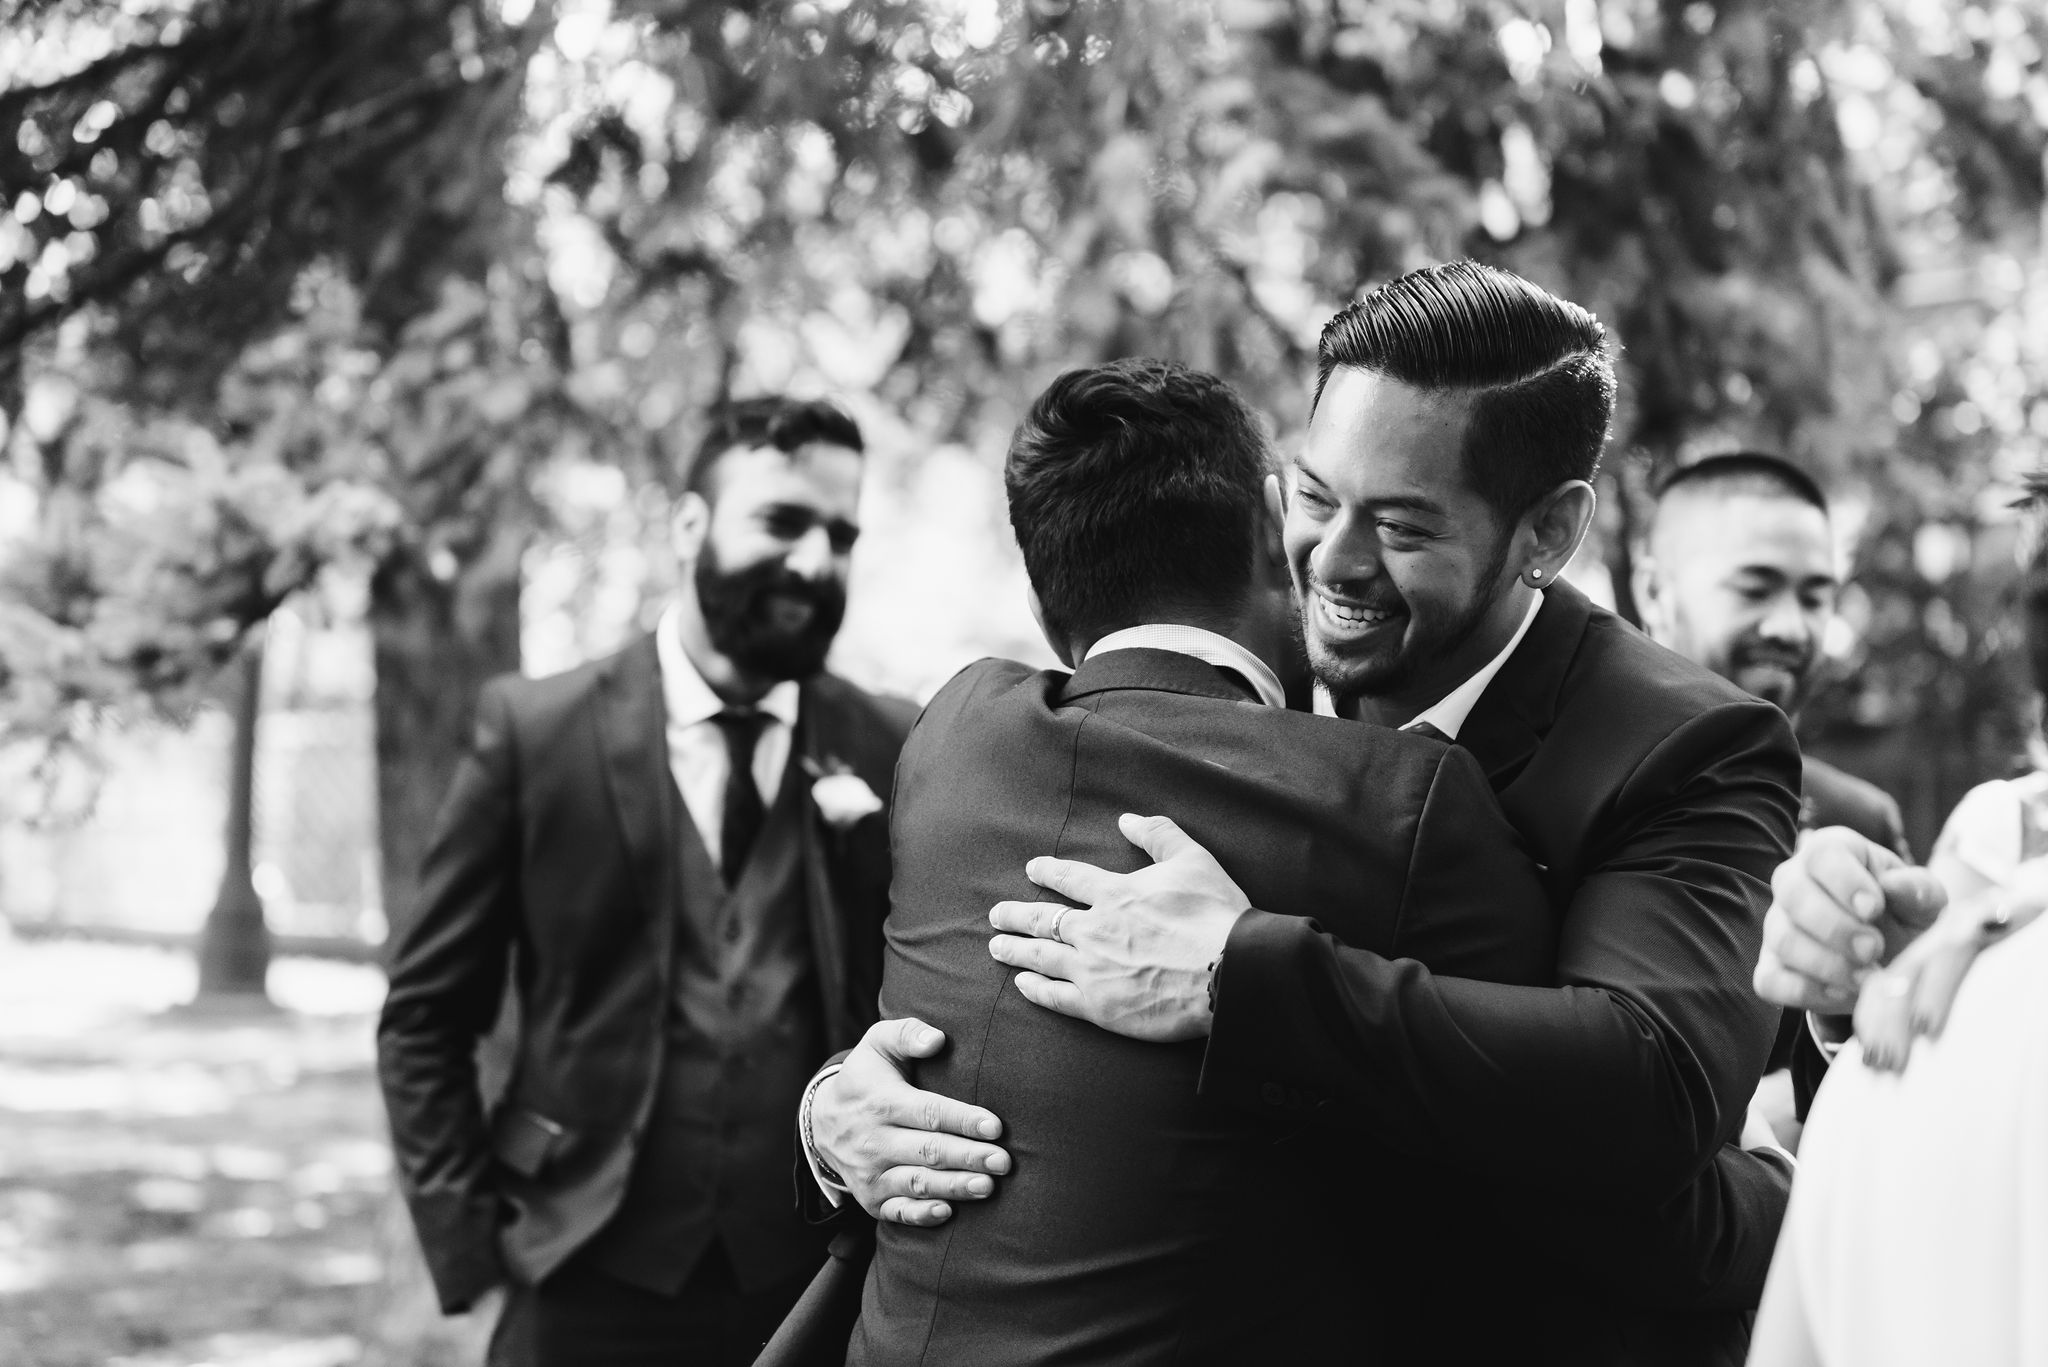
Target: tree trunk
column 436, row 641
column 234, row 947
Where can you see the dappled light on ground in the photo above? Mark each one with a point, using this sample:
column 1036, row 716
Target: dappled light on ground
column 183, row 1186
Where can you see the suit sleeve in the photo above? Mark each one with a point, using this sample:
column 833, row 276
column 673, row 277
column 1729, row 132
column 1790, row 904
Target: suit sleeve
column 448, row 966
column 1615, row 1087
column 1707, row 1248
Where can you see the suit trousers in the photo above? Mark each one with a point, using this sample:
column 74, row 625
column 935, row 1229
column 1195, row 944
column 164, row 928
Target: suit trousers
column 580, row 1317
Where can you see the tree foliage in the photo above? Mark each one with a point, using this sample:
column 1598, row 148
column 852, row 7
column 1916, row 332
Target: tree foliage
column 446, row 249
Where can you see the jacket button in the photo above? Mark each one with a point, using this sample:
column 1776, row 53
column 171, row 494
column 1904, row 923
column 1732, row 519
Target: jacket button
column 1273, row 1094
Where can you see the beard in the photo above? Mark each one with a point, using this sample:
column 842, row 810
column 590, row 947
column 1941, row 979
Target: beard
column 769, row 621
column 1779, row 674
column 1391, row 669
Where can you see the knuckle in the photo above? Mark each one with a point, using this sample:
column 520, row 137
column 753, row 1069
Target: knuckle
column 928, row 1152
column 920, row 1184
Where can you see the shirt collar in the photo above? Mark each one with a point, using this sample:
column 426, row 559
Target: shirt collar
column 1448, row 713
column 1206, row 646
column 685, row 695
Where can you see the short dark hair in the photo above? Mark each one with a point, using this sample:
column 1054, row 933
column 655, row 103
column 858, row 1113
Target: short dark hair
column 1743, row 472
column 771, row 420
column 1535, row 366
column 1135, row 487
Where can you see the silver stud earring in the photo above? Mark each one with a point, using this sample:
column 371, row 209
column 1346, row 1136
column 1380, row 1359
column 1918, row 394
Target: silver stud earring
column 1535, row 575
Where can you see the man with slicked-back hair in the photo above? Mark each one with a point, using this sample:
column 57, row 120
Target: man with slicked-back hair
column 1574, row 1193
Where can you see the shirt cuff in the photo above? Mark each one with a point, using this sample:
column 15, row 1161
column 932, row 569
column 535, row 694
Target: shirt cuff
column 1829, row 1033
column 834, row 1192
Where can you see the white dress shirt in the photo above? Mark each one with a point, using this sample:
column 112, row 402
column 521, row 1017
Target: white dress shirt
column 1449, row 713
column 697, row 752
column 1206, row 646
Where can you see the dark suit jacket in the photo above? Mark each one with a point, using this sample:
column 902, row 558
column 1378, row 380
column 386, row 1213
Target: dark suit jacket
column 1142, row 1224
column 1832, row 797
column 552, row 859
column 1586, row 1120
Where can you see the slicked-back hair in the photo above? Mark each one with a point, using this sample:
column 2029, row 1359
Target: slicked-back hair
column 773, row 420
column 1750, row 472
column 1135, row 487
column 1534, row 368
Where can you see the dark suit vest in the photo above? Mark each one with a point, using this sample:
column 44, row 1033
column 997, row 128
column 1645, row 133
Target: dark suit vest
column 744, row 1030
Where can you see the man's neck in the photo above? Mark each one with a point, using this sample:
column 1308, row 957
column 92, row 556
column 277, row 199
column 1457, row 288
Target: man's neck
column 725, row 678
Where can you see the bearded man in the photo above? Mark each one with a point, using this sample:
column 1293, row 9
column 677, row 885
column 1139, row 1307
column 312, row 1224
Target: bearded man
column 1737, row 573
column 678, row 858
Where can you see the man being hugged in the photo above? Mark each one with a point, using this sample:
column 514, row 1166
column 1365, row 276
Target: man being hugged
column 1140, row 1225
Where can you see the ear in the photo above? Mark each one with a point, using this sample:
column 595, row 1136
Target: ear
column 1271, row 527
column 1554, row 528
column 1064, row 650
column 689, row 522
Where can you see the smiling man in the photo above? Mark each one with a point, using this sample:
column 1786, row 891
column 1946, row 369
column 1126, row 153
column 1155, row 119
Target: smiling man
column 1459, row 417
column 637, row 847
column 1737, row 573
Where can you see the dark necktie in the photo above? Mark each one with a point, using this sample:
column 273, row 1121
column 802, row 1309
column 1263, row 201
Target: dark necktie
column 1423, row 728
column 740, row 824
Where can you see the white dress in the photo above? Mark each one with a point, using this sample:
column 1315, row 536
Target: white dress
column 1918, row 1226
column 1993, row 829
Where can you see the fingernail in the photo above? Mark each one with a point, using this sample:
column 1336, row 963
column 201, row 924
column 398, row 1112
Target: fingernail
column 980, row 1186
column 998, row 1163
column 1866, row 902
column 989, row 1129
column 929, row 1039
column 1866, row 945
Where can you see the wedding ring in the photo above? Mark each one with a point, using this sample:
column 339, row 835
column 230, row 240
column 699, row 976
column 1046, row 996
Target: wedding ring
column 1058, row 919
column 1996, row 921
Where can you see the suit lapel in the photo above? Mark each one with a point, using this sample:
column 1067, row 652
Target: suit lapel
column 807, row 757
column 1518, row 706
column 633, row 742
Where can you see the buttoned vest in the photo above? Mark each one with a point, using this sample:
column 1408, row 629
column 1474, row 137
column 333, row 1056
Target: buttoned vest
column 744, row 1032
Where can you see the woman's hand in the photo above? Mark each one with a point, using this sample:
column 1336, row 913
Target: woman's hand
column 1911, row 997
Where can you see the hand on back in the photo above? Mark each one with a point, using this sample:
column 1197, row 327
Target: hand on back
column 904, row 1154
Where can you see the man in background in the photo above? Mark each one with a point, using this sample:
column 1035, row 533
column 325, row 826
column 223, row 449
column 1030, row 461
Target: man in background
column 1738, row 573
column 690, row 922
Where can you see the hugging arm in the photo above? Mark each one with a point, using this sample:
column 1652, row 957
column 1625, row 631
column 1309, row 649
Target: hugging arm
column 902, row 1153
column 1615, row 1089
